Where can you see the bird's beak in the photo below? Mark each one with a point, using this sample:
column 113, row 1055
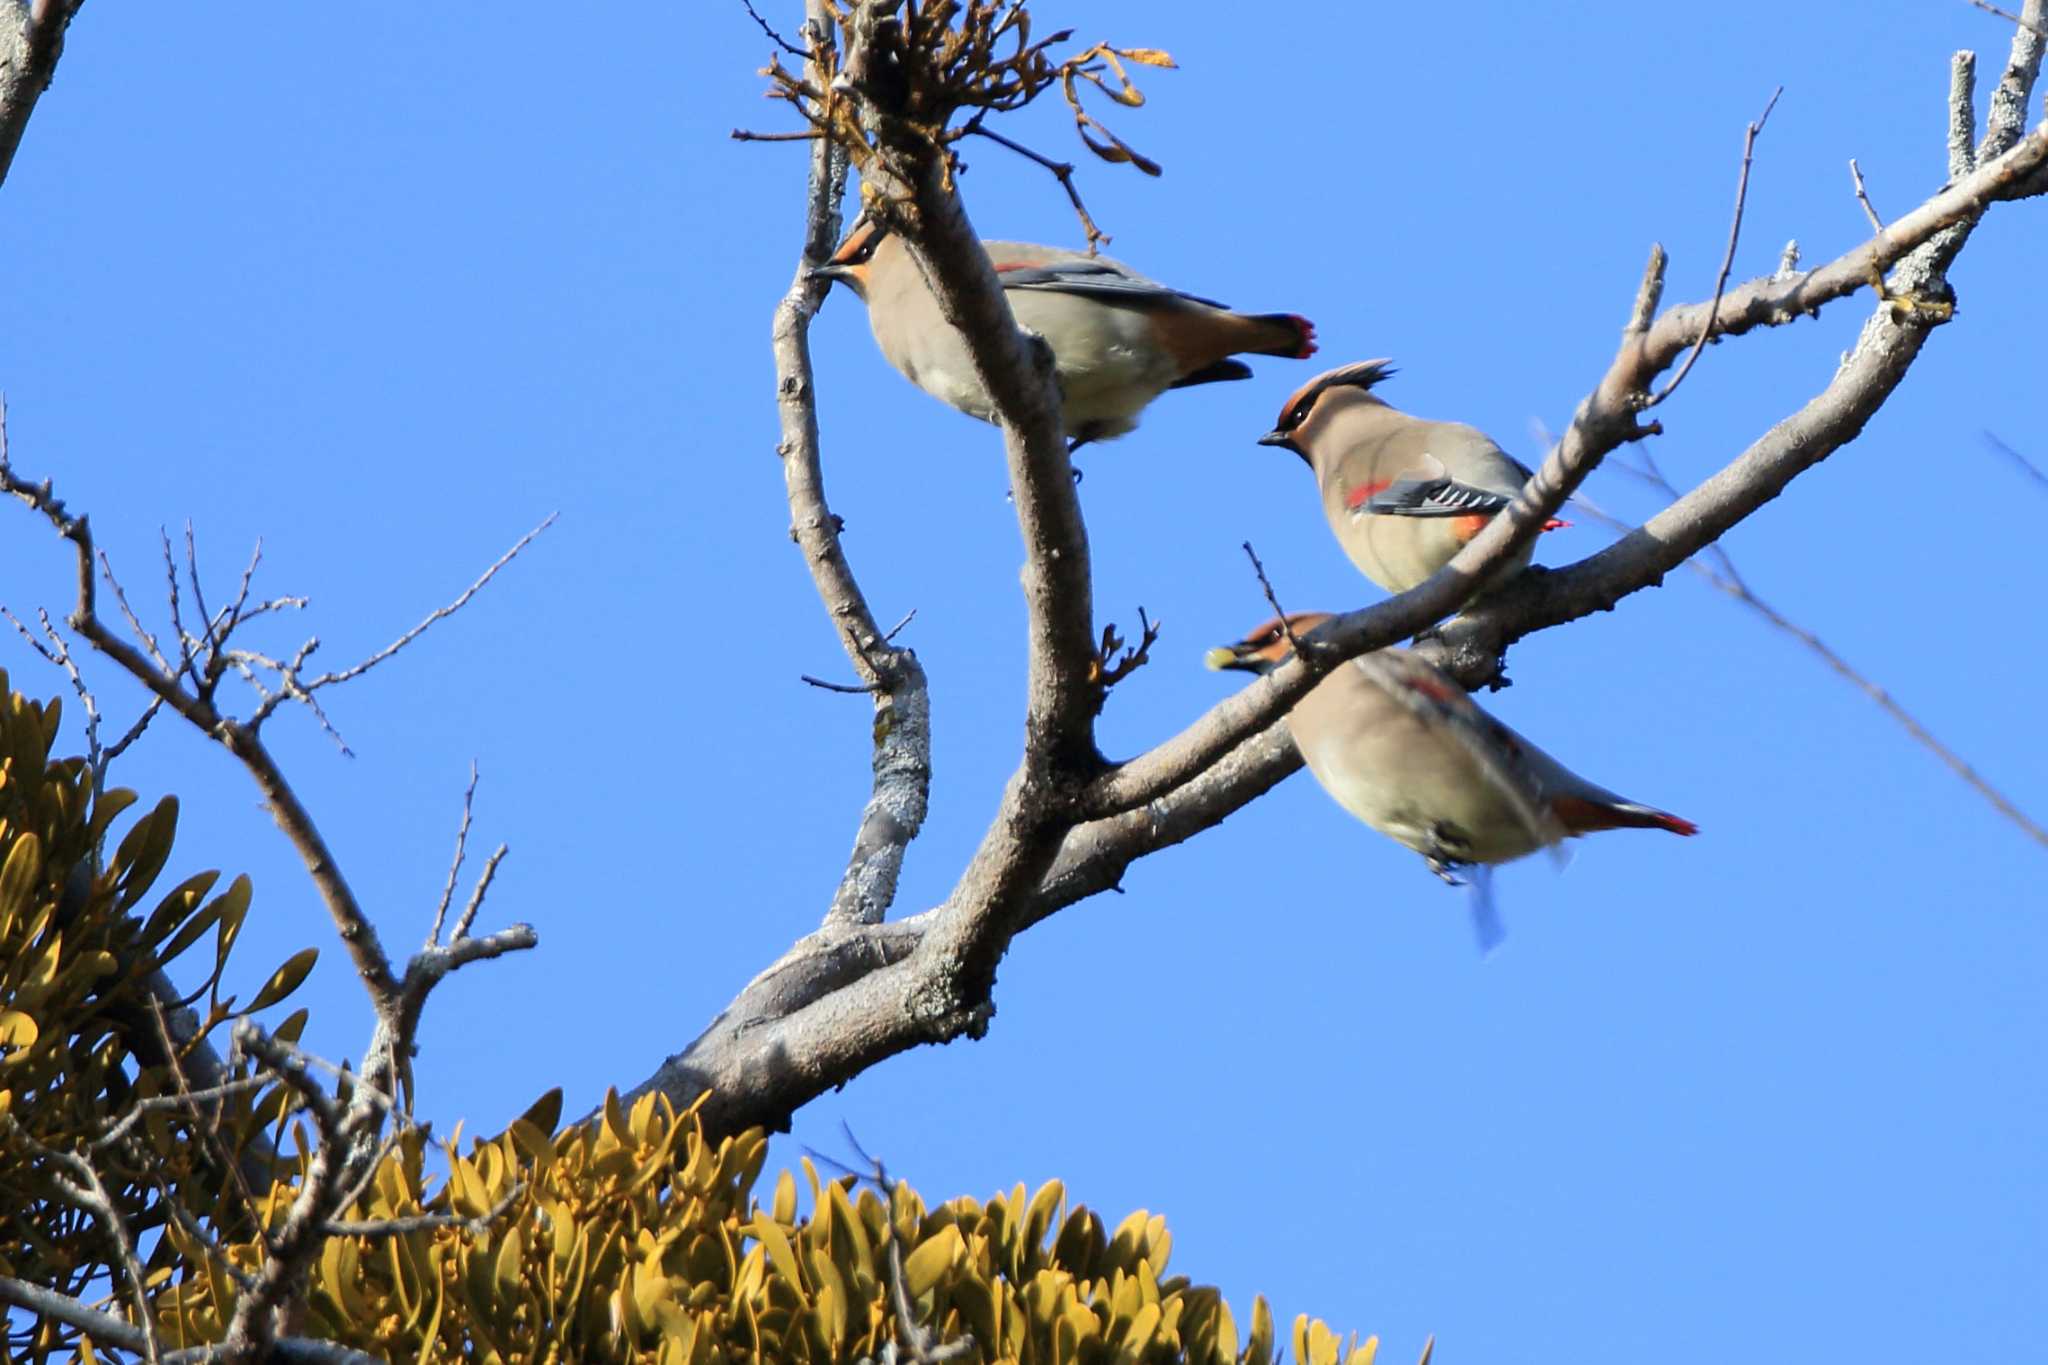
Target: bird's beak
column 1224, row 657
column 829, row 271
column 1277, row 438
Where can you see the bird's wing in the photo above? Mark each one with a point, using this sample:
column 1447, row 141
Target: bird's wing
column 1499, row 752
column 1091, row 279
column 1430, row 491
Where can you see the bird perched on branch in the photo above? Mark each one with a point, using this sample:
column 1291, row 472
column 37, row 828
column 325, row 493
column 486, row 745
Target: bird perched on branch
column 1402, row 494
column 1118, row 340
column 1399, row 744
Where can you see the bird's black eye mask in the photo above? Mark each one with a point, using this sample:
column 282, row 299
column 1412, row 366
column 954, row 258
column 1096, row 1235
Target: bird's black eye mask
column 859, row 248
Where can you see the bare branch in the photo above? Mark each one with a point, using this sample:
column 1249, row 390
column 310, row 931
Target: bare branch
column 1649, row 293
column 140, row 631
column 776, row 38
column 1724, row 577
column 1863, row 196
column 1272, row 600
column 850, row 689
column 454, row 863
column 900, row 796
column 1885, row 702
column 305, row 687
column 85, row 1189
column 1118, row 658
column 1962, row 115
column 184, row 1099
column 850, row 995
column 1749, row 136
column 426, row 1222
column 2008, row 16
column 1062, row 171
column 112, row 1331
column 476, row 896
column 1604, row 421
column 2007, row 119
column 31, row 41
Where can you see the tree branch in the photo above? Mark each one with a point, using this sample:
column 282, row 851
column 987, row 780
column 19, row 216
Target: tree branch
column 109, row 1330
column 893, row 676
column 31, row 41
column 1604, row 420
column 852, row 994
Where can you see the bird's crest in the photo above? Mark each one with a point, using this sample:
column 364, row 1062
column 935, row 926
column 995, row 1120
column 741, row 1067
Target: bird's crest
column 1362, row 375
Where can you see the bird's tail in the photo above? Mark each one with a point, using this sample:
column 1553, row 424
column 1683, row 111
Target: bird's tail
column 1581, row 816
column 1288, row 334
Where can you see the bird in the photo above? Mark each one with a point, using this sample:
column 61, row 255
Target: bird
column 1118, row 339
column 1397, row 743
column 1402, row 494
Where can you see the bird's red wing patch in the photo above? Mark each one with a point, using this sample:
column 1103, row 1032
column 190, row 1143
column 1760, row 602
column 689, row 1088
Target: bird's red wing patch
column 1431, row 688
column 1556, row 524
column 1464, row 528
column 1361, row 495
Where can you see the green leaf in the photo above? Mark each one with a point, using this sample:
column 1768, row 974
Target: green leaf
column 285, row 979
column 545, row 1113
column 17, row 1030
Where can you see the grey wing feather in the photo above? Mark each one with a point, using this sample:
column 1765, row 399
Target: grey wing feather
column 1092, row 279
column 1434, row 498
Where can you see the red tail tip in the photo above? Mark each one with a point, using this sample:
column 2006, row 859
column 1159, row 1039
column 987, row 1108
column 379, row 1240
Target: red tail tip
column 1308, row 335
column 1678, row 825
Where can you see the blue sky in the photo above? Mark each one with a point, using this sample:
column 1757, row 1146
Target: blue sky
column 385, row 287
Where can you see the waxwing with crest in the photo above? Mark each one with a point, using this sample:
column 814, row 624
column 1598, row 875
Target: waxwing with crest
column 1402, row 495
column 1400, row 745
column 1118, row 339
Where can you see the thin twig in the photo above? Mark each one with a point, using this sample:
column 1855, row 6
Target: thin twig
column 455, row 863
column 1114, row 668
column 476, row 897
column 787, row 46
column 747, row 135
column 92, row 1196
column 310, row 685
column 142, row 632
column 1863, row 196
column 207, row 1125
column 1749, row 136
column 2009, row 17
column 897, row 629
column 133, row 733
column 1062, row 171
column 1729, row 580
column 2033, row 471
column 183, row 1099
column 852, row 689
column 913, row 1339
column 426, row 1222
column 1266, row 586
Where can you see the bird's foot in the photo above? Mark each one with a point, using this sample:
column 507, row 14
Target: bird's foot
column 1906, row 304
